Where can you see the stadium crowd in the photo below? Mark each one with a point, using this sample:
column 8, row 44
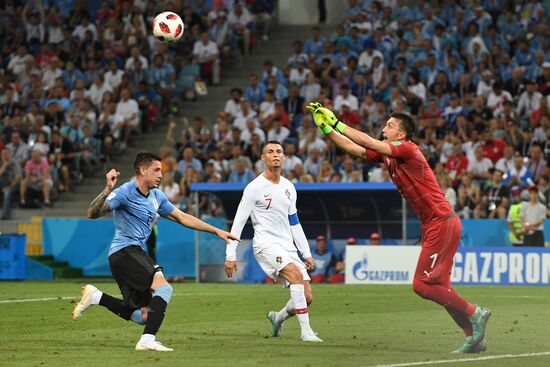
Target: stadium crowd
column 476, row 76
column 80, row 80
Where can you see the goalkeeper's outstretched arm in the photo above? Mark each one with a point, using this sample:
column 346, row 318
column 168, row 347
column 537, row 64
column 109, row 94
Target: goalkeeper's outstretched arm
column 346, row 144
column 327, row 121
column 367, row 141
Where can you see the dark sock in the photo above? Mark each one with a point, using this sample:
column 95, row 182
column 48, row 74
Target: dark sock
column 155, row 315
column 115, row 306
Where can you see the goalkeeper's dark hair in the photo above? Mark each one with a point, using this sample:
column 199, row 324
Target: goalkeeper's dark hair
column 407, row 123
column 144, row 159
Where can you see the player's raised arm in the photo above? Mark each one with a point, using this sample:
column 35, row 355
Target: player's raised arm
column 98, row 206
column 323, row 115
column 190, row 221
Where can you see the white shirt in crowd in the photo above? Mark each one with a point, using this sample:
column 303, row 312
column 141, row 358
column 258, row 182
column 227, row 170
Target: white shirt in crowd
column 128, row 109
column 528, row 103
column 534, row 213
column 233, row 108
column 352, row 101
column 95, row 93
column 204, row 53
column 113, row 78
column 240, row 119
column 290, row 162
column 297, row 76
column 80, row 31
column 246, row 135
column 480, row 167
column 365, row 60
column 280, row 135
column 130, row 63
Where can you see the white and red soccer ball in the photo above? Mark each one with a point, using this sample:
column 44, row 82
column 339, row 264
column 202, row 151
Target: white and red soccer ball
column 168, row 27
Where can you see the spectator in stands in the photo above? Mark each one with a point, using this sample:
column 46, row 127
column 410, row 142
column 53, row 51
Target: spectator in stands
column 206, row 54
column 293, row 103
column 312, row 164
column 187, row 161
column 536, row 164
column 263, row 11
column 37, row 178
column 278, row 131
column 480, row 165
column 529, row 101
column 514, row 216
column 324, row 261
column 240, row 20
column 314, row 45
column 457, row 163
column 255, row 91
column 170, row 188
column 233, row 105
column 339, row 274
column 241, row 174
column 375, row 239
column 9, row 181
column 506, row 163
column 346, row 96
column 447, row 189
column 533, row 213
column 128, row 109
column 20, row 151
column 298, row 74
column 469, row 196
column 250, row 130
column 495, row 199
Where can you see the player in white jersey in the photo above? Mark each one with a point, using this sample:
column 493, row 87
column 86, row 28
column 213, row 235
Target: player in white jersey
column 270, row 201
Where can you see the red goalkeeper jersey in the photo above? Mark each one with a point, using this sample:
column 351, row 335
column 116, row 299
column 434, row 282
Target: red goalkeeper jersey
column 415, row 180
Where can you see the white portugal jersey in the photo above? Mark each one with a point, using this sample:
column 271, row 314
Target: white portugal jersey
column 268, row 205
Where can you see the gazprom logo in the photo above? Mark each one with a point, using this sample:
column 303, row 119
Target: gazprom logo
column 360, row 271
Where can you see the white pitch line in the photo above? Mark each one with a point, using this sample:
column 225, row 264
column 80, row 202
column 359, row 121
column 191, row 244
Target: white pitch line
column 44, row 299
column 487, row 358
column 35, row 299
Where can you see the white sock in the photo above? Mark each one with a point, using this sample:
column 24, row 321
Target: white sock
column 286, row 312
column 96, row 297
column 298, row 298
column 146, row 338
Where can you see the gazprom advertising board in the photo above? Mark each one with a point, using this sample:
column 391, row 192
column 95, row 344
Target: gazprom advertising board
column 472, row 266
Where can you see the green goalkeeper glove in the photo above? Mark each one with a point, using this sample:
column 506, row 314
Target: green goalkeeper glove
column 318, row 118
column 331, row 119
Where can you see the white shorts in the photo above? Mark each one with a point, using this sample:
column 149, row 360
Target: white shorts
column 274, row 258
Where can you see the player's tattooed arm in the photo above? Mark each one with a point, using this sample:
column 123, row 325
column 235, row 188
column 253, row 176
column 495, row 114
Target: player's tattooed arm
column 98, row 207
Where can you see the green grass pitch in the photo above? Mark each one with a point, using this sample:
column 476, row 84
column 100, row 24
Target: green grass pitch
column 225, row 325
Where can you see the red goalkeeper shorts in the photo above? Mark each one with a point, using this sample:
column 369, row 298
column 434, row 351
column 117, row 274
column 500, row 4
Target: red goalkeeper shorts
column 439, row 243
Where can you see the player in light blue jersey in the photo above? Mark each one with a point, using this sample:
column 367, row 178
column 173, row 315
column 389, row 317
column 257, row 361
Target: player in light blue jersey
column 144, row 289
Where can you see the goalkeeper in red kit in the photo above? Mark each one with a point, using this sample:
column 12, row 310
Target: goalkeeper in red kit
column 441, row 227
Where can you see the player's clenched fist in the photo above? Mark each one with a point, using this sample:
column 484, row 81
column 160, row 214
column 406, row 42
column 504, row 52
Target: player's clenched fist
column 111, row 178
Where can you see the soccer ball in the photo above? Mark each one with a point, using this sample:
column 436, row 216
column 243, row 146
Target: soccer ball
column 168, row 27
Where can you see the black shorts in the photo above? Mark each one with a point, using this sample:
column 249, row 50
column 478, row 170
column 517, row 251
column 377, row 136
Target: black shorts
column 133, row 271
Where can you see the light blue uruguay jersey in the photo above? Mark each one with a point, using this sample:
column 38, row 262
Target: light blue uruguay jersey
column 134, row 214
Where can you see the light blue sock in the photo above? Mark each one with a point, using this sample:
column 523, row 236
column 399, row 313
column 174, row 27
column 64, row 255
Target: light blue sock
column 164, row 292
column 137, row 317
